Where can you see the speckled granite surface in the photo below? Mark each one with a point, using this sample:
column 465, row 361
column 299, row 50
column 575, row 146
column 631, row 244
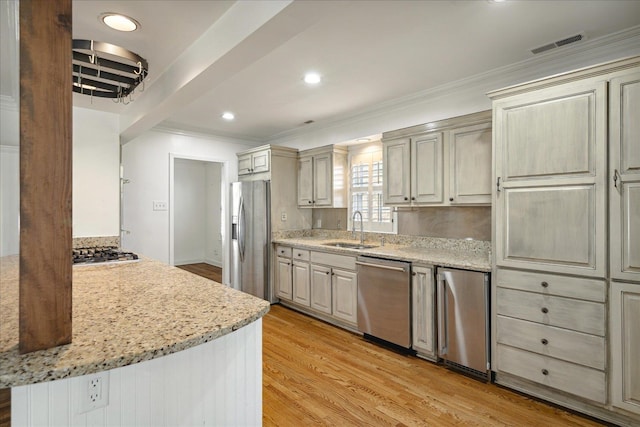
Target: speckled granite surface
column 91, row 242
column 123, row 313
column 465, row 254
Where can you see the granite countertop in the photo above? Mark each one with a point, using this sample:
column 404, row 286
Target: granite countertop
column 123, row 313
column 438, row 252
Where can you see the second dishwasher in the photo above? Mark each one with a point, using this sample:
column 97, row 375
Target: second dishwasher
column 384, row 300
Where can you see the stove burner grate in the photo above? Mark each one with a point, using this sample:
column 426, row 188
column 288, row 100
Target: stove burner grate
column 101, row 254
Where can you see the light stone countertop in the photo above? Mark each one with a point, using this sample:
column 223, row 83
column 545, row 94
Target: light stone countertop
column 438, row 252
column 123, row 313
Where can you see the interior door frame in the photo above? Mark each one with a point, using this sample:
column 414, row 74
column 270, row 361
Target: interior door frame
column 224, row 203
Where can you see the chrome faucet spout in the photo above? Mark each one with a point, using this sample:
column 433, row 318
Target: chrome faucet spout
column 353, row 230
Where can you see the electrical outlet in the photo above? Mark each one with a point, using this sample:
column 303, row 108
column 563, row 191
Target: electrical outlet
column 283, row 216
column 93, row 391
column 159, row 205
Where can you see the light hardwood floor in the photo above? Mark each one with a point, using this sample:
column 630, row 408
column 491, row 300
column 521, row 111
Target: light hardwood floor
column 205, row 270
column 316, row 374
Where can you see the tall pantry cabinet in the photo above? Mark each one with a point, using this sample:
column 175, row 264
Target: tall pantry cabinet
column 566, row 294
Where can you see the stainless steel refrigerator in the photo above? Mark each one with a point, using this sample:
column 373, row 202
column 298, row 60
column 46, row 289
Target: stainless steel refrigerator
column 251, row 238
column 463, row 320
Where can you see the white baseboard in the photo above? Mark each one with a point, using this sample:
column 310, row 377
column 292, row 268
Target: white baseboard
column 188, row 261
column 214, row 262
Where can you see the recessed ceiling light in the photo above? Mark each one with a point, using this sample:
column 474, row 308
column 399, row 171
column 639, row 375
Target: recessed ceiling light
column 228, row 115
column 119, row 22
column 312, row 78
column 363, row 139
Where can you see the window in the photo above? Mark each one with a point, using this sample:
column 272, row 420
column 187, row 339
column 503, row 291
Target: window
column 365, row 165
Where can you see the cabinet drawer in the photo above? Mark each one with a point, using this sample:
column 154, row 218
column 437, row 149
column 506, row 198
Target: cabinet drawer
column 575, row 379
column 583, row 316
column 283, row 251
column 301, row 254
column 334, row 260
column 551, row 284
column 576, row 347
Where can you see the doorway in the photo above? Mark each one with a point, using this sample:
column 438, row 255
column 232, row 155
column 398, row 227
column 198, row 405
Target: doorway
column 196, row 207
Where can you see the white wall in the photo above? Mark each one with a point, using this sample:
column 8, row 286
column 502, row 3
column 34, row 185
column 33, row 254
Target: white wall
column 213, row 220
column 96, row 173
column 218, row 383
column 190, row 233
column 146, row 161
column 9, row 200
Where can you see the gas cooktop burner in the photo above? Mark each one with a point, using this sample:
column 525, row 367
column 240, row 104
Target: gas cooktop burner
column 101, row 254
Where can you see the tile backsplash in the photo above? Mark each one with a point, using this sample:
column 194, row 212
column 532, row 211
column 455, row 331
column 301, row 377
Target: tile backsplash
column 459, row 222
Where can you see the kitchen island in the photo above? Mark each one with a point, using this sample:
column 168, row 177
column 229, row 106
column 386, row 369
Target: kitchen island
column 174, row 345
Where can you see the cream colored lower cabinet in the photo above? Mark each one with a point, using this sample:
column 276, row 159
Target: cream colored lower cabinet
column 284, row 278
column 321, row 288
column 344, row 285
column 301, row 289
column 624, row 330
column 423, row 293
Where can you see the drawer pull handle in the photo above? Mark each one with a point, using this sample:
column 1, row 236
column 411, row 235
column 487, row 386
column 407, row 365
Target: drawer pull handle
column 544, row 284
column 544, row 341
column 545, row 372
column 545, row 310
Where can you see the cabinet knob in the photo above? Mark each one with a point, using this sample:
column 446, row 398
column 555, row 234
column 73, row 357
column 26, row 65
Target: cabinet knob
column 545, row 310
column 545, row 372
column 406, row 198
column 414, row 273
column 327, row 272
column 544, row 284
column 413, row 198
column 451, row 199
column 544, row 341
column 310, row 202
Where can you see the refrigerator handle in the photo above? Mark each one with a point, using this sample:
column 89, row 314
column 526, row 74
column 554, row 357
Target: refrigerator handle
column 241, row 231
column 443, row 340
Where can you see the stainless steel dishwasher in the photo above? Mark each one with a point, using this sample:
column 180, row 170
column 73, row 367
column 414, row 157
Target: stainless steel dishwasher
column 384, row 300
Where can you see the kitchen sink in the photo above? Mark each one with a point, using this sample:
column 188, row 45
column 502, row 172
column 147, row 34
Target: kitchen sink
column 349, row 245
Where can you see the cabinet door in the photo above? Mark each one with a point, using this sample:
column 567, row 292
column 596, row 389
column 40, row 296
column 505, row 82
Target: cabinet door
column 624, row 181
column 625, row 345
column 260, row 161
column 470, row 165
column 305, row 182
column 244, row 164
column 551, row 161
column 284, row 278
column 426, row 169
column 321, row 288
column 423, row 308
column 322, row 179
column 301, row 283
column 397, row 172
column 345, row 295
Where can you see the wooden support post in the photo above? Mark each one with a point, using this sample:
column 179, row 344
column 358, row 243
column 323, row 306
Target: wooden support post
column 45, row 174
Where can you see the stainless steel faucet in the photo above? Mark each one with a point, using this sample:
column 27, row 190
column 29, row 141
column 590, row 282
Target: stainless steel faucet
column 353, row 231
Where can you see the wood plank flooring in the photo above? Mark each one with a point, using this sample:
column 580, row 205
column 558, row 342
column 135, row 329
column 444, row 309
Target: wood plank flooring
column 316, row 374
column 205, row 270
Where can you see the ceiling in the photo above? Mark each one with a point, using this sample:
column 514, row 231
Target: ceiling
column 206, row 57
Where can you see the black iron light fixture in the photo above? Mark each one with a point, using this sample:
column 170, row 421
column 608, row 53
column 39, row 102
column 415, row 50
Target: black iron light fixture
column 107, row 71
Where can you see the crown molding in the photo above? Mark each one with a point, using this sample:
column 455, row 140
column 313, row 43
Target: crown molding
column 178, row 129
column 589, row 52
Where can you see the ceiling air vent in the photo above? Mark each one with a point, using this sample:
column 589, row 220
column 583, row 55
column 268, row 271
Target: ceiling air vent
column 559, row 43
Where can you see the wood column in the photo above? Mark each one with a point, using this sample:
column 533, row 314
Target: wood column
column 45, row 173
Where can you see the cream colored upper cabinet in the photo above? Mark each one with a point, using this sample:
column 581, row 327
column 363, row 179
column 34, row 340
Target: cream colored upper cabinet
column 426, row 169
column 322, row 178
column 470, row 165
column 624, row 176
column 253, row 162
column 305, row 181
column 397, row 172
column 442, row 163
column 550, row 152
